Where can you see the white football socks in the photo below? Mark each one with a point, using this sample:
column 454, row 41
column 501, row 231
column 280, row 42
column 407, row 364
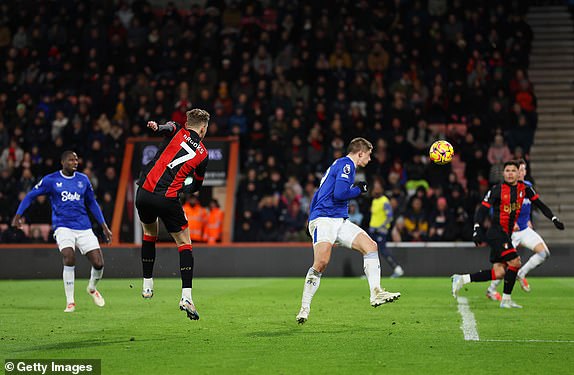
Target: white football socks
column 312, row 281
column 186, row 294
column 493, row 285
column 68, row 275
column 372, row 269
column 95, row 277
column 534, row 261
column 148, row 283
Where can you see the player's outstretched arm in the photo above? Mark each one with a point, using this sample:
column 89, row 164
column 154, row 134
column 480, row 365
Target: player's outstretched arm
column 198, row 177
column 107, row 233
column 557, row 223
column 153, row 125
column 482, row 212
column 344, row 191
column 547, row 212
column 94, row 207
column 17, row 221
column 168, row 127
column 39, row 189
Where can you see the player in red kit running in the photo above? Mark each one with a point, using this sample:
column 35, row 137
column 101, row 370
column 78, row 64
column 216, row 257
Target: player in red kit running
column 181, row 155
column 506, row 201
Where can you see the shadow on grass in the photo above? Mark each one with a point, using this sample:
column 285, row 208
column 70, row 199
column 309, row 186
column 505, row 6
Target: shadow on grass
column 296, row 330
column 78, row 345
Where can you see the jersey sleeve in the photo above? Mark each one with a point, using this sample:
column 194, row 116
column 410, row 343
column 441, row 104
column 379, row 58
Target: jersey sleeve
column 41, row 188
column 198, row 176
column 490, row 196
column 531, row 193
column 92, row 204
column 344, row 178
column 169, row 128
column 389, row 210
column 199, row 172
column 537, row 202
column 488, row 201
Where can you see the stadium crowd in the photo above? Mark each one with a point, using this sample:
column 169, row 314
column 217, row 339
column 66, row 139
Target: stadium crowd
column 294, row 80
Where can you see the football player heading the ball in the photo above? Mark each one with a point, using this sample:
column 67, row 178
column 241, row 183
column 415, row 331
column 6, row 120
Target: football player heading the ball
column 328, row 225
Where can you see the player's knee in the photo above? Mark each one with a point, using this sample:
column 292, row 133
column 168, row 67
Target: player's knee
column 499, row 273
column 98, row 264
column 516, row 263
column 374, row 245
column 544, row 253
column 69, row 259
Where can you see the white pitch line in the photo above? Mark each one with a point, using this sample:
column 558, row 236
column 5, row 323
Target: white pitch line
column 534, row 340
column 468, row 322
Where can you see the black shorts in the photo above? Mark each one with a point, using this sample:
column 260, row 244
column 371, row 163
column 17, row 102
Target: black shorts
column 501, row 249
column 151, row 206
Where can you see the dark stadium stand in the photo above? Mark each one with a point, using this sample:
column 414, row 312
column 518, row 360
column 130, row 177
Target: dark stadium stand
column 294, row 80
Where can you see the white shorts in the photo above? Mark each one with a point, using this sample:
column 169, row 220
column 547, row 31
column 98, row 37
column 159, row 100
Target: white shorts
column 527, row 238
column 334, row 230
column 83, row 240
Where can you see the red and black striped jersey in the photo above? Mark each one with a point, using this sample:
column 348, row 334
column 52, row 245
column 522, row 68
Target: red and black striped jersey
column 182, row 154
column 506, row 203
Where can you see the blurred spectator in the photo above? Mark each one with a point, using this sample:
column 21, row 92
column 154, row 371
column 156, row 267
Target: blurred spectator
column 214, row 224
column 196, row 218
column 245, row 230
column 12, row 155
column 498, row 153
column 416, row 222
column 355, row 216
column 295, row 223
column 441, row 223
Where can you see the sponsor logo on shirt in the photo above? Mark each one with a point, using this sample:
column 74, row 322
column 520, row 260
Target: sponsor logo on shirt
column 67, row 196
column 58, row 184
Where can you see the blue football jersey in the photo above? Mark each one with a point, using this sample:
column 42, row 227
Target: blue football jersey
column 524, row 215
column 69, row 197
column 335, row 191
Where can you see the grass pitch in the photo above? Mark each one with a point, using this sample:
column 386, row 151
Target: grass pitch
column 248, row 325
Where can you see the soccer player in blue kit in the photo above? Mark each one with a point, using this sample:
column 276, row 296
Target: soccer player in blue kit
column 525, row 236
column 70, row 193
column 328, row 225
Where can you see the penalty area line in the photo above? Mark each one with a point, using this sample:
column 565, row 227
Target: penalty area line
column 468, row 325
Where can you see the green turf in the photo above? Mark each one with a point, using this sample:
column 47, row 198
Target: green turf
column 248, row 326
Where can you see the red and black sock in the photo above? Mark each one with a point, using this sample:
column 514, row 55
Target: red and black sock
column 485, row 275
column 186, row 265
column 510, row 279
column 148, row 255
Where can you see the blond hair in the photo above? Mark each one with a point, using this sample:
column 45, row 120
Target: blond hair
column 359, row 144
column 197, row 117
